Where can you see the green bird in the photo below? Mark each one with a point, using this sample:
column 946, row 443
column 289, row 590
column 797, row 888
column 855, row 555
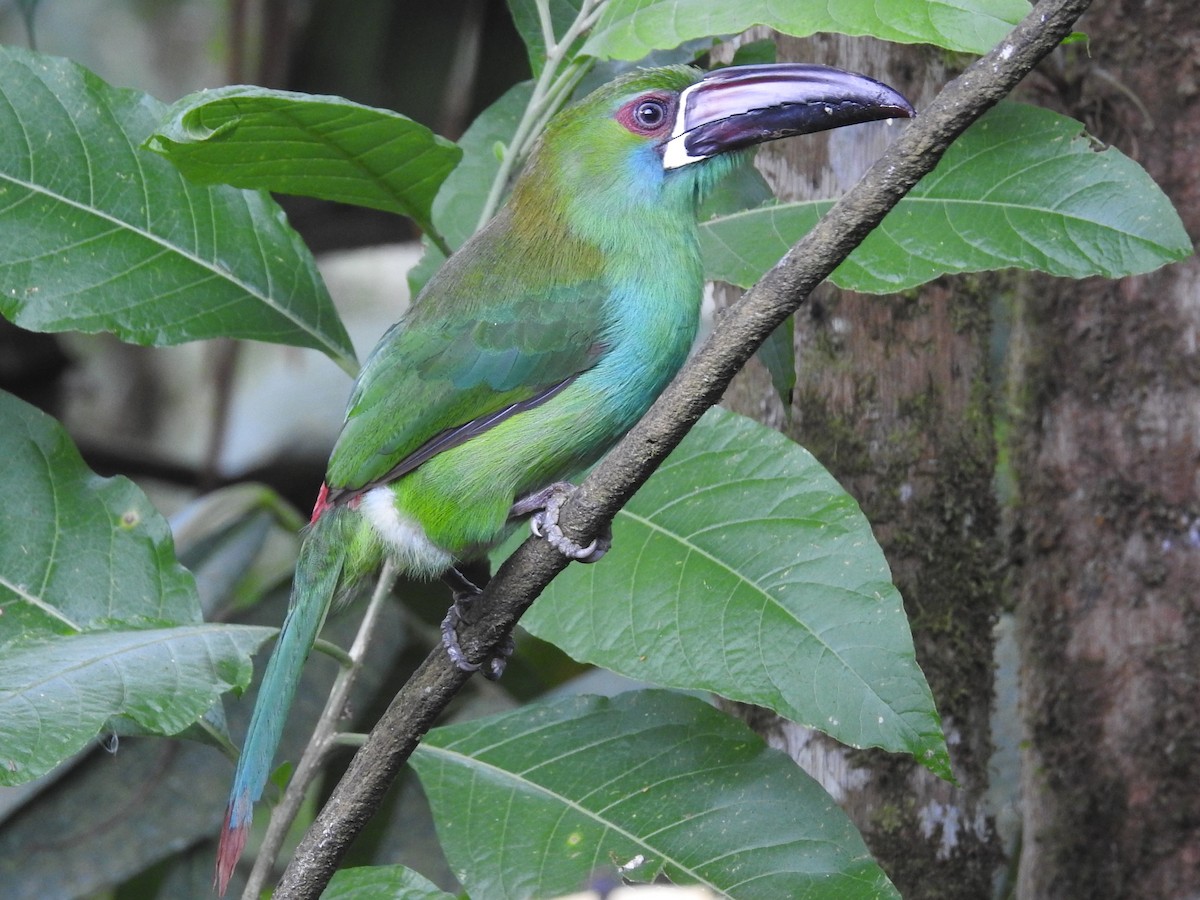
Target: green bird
column 533, row 350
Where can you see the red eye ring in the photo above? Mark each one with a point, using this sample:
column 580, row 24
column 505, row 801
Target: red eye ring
column 650, row 114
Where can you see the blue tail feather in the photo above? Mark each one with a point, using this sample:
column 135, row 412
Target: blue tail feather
column 318, row 572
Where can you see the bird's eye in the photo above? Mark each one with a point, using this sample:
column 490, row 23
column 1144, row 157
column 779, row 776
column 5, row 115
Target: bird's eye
column 649, row 114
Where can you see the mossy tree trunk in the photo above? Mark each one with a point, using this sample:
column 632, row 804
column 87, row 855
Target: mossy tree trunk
column 893, row 397
column 1106, row 532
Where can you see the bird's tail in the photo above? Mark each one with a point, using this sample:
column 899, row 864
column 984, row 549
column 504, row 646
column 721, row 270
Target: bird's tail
column 318, row 571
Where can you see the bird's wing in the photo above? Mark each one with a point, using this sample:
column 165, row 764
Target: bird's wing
column 454, row 367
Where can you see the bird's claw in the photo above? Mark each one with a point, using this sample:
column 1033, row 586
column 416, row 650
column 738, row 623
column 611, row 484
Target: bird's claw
column 464, row 595
column 546, row 527
column 545, row 506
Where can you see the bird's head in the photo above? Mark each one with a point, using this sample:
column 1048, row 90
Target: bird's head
column 655, row 133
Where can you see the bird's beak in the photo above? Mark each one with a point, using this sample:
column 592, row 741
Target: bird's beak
column 744, row 105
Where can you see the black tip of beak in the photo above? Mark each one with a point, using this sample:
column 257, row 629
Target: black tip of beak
column 745, row 105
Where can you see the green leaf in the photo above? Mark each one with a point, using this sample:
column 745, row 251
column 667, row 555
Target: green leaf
column 743, row 188
column 382, row 883
column 756, row 53
column 1024, row 187
column 459, row 203
column 220, row 537
column 101, row 236
column 291, row 143
column 743, row 568
column 88, row 579
column 629, row 29
column 77, row 550
column 59, row 693
column 778, row 355
column 650, row 780
column 563, row 14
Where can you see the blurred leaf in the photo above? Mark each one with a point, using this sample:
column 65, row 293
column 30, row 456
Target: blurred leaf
column 629, row 29
column 315, row 146
column 778, row 355
column 584, row 785
column 755, row 53
column 101, row 236
column 743, row 188
column 221, row 536
column 112, row 815
column 28, row 12
column 89, row 587
column 459, row 203
column 382, row 883
column 222, row 561
column 1023, row 187
column 742, row 567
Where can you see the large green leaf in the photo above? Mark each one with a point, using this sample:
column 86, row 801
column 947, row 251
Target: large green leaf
column 58, row 694
column 629, row 29
column 99, row 625
column 650, row 780
column 743, row 568
column 1024, row 187
column 98, row 235
column 290, row 143
column 77, row 550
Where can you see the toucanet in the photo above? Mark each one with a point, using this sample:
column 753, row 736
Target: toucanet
column 536, row 346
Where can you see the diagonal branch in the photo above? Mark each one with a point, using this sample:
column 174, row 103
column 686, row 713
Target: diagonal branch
column 697, row 387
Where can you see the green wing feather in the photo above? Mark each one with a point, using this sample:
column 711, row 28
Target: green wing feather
column 468, row 348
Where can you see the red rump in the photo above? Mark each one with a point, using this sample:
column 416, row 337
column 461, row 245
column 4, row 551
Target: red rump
column 321, row 505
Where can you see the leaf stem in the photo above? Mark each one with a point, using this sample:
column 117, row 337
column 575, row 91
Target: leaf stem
column 330, row 649
column 549, row 93
column 547, row 23
column 435, row 237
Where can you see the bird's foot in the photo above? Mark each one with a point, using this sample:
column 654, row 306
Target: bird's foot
column 464, row 593
column 544, row 506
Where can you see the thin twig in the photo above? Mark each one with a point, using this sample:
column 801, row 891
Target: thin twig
column 543, row 9
column 777, row 295
column 549, row 91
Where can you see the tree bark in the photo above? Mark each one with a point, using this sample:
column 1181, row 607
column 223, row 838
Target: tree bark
column 1106, row 535
column 893, row 397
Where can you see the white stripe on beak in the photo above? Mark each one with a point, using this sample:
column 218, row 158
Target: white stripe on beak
column 675, row 155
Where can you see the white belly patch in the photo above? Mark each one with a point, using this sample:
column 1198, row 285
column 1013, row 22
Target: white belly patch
column 406, row 541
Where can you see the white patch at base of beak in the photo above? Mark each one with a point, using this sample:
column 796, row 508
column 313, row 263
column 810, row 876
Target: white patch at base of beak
column 675, row 155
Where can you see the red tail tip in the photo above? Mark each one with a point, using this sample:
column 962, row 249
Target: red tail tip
column 229, row 851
